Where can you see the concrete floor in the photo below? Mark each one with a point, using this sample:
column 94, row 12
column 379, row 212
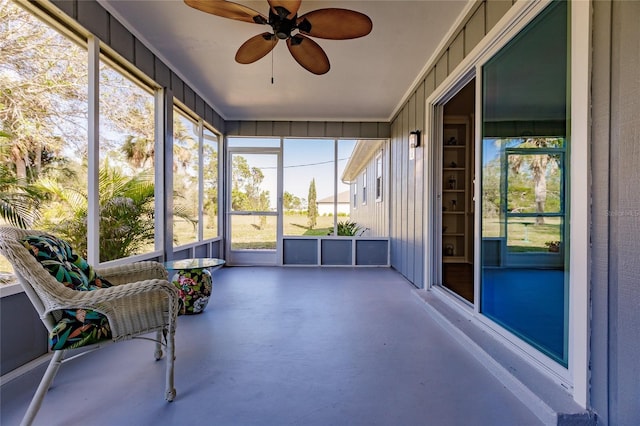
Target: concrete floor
column 285, row 346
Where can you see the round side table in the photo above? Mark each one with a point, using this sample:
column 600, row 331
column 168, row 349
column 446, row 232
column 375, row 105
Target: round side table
column 193, row 280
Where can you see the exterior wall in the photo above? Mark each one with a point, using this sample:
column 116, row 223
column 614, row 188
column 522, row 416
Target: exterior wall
column 615, row 297
column 375, row 214
column 23, row 337
column 327, row 208
column 316, row 129
column 407, row 176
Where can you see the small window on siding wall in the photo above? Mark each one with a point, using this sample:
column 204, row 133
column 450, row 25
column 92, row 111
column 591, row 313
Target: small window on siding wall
column 379, row 176
column 364, row 187
column 355, row 194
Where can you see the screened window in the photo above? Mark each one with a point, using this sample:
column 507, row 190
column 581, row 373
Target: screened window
column 127, row 160
column 43, row 127
column 210, row 184
column 186, row 197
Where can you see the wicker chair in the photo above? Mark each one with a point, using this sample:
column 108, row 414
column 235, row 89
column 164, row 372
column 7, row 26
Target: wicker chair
column 141, row 301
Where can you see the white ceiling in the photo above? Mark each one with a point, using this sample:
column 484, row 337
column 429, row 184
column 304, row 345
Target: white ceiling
column 369, row 76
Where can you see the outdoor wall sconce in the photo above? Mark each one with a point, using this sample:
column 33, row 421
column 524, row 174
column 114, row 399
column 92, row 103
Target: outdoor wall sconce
column 414, row 139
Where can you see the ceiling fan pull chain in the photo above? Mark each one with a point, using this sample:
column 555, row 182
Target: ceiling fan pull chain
column 272, row 54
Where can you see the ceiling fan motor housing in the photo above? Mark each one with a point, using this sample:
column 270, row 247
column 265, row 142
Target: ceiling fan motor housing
column 282, row 27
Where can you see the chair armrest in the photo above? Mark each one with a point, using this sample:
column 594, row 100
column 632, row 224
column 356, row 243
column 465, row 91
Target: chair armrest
column 138, row 271
column 132, row 308
column 100, row 298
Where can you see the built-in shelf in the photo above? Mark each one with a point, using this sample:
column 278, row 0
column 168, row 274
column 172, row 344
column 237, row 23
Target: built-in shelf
column 456, row 195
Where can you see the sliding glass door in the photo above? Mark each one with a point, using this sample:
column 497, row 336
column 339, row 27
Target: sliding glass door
column 524, row 277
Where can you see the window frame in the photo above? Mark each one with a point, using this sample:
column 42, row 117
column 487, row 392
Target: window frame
column 364, row 187
column 379, row 176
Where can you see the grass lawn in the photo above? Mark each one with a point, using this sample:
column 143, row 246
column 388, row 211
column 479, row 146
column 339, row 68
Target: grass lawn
column 259, row 232
column 523, row 234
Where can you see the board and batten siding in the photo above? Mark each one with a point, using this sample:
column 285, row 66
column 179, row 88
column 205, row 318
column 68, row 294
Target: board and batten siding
column 408, row 249
column 615, row 214
column 375, row 214
column 309, row 129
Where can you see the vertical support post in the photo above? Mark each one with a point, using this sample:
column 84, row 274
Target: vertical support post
column 159, row 178
column 335, row 186
column 166, row 172
column 93, row 214
column 200, row 180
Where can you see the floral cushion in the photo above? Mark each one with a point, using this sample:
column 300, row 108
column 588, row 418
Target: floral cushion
column 77, row 327
column 63, row 263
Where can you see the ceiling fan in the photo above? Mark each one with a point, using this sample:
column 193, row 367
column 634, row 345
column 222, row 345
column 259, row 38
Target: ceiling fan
column 329, row 23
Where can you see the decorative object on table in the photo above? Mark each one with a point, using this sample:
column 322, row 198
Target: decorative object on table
column 193, row 280
column 449, row 250
column 112, row 304
column 453, row 182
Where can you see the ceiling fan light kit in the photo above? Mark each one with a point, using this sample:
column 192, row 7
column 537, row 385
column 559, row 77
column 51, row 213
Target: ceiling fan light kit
column 329, row 23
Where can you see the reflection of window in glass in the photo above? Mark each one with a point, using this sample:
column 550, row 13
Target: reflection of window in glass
column 43, row 118
column 364, row 187
column 210, row 184
column 127, row 160
column 379, row 177
column 186, row 137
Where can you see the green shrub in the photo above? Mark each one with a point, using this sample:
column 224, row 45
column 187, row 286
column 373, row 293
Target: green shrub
column 348, row 228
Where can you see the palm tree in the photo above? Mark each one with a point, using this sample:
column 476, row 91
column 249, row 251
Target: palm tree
column 19, row 201
column 127, row 212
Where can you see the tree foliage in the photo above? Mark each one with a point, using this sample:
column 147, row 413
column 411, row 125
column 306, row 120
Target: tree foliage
column 312, row 210
column 246, row 192
column 127, row 213
column 291, row 202
column 43, row 81
column 19, row 201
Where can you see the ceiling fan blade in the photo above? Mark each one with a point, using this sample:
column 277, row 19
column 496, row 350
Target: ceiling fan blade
column 291, row 6
column 335, row 24
column 228, row 9
column 256, row 48
column 309, row 54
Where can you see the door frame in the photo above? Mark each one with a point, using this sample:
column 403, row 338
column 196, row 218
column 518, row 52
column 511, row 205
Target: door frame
column 248, row 257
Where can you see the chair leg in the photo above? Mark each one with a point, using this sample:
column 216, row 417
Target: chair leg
column 170, row 390
column 158, row 352
column 48, row 377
